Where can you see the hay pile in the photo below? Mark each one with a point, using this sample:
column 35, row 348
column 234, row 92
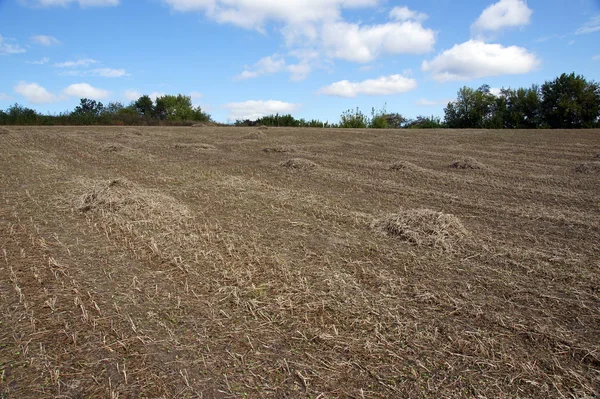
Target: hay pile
column 299, row 163
column 467, row 163
column 255, row 136
column 279, row 148
column 405, row 166
column 195, row 146
column 3, row 130
column 149, row 222
column 424, row 227
column 589, row 167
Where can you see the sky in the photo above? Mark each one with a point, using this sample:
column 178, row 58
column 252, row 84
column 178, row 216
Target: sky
column 243, row 59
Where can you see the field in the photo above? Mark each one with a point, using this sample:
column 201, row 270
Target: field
column 216, row 262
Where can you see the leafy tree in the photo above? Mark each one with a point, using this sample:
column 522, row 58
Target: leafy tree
column 395, row 121
column 523, row 108
column 144, row 106
column 353, row 119
column 178, row 108
column 570, row 101
column 472, row 109
column 89, row 107
column 425, row 122
column 113, row 107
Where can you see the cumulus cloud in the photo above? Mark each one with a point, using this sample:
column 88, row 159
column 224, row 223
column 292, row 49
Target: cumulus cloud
column 406, row 14
column 5, row 97
column 501, row 15
column 255, row 109
column 85, row 90
column 43, row 61
column 35, row 94
column 318, row 25
column 353, row 42
column 8, row 46
column 45, row 40
column 82, row 3
column 475, row 59
column 265, row 66
column 384, row 85
column 84, row 62
column 591, row 26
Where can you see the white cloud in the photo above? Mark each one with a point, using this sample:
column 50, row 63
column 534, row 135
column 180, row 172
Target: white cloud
column 102, row 72
column 384, row 85
column 43, row 61
column 82, row 3
column 133, row 95
column 591, row 26
column 501, row 15
column 255, row 109
column 475, row 59
column 423, row 102
column 36, row 94
column 318, row 25
column 353, row 42
column 5, row 97
column 45, row 40
column 84, row 62
column 9, row 48
column 85, row 90
column 195, row 95
column 596, row 57
column 265, row 66
column 406, row 14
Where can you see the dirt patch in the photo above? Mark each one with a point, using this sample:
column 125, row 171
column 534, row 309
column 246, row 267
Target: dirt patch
column 467, row 163
column 255, row 136
column 588, row 168
column 405, row 166
column 299, row 163
column 3, row 130
column 195, row 146
column 279, row 148
column 424, row 227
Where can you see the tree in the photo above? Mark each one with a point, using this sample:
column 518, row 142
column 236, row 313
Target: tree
column 353, row 119
column 113, row 107
column 395, row 121
column 144, row 106
column 472, row 109
column 89, row 107
column 570, row 101
column 522, row 108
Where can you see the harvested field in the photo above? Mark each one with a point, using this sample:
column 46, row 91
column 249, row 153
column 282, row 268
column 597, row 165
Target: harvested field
column 589, row 167
column 153, row 266
column 467, row 163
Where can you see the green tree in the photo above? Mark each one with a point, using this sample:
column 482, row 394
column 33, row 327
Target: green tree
column 570, row 101
column 472, row 109
column 88, row 107
column 353, row 119
column 144, row 106
column 178, row 108
column 523, row 108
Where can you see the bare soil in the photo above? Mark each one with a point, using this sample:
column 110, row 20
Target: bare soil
column 133, row 267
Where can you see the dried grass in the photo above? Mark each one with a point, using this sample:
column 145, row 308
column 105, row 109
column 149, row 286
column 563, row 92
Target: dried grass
column 597, row 156
column 280, row 148
column 263, row 128
column 424, row 227
column 589, row 167
column 3, row 130
column 299, row 163
column 467, row 163
column 255, row 136
column 195, row 146
column 405, row 166
column 114, row 147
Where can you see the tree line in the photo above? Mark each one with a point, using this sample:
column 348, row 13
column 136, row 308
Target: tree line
column 165, row 110
column 568, row 102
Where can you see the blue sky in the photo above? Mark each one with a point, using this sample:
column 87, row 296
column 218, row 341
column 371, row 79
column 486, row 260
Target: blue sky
column 312, row 58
